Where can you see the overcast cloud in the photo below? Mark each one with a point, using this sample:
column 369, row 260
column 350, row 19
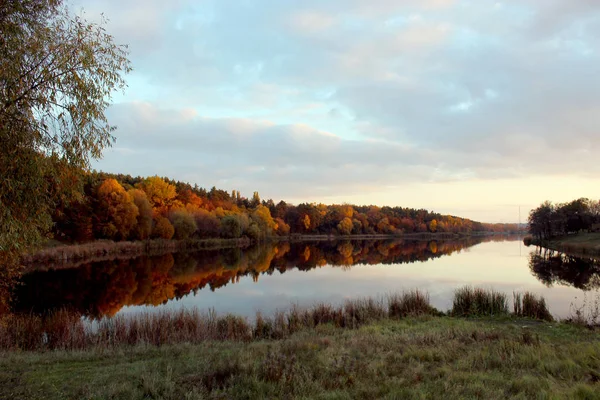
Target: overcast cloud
column 335, row 100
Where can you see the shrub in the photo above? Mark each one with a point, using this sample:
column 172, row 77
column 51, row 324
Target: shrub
column 231, row 227
column 183, row 223
column 469, row 301
column 409, row 303
column 163, row 229
column 531, row 306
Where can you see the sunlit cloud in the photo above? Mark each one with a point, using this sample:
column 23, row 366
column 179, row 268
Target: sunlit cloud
column 350, row 99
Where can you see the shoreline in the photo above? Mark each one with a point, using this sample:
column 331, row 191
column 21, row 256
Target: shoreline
column 73, row 255
column 582, row 244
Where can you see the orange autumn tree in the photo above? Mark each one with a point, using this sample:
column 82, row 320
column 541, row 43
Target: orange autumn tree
column 116, row 213
column 162, row 228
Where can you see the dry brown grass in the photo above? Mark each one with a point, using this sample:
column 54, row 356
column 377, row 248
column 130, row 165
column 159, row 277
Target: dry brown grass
column 64, row 330
column 67, row 331
column 531, row 306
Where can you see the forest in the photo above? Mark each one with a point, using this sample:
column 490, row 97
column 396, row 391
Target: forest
column 552, row 220
column 122, row 207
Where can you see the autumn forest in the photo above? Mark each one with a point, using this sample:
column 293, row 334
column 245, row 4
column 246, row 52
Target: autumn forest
column 122, row 207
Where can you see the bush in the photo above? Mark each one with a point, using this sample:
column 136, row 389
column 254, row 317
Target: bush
column 254, row 232
column 531, row 306
column 410, row 303
column 183, row 223
column 469, row 301
column 207, row 224
column 231, row 227
column 162, row 229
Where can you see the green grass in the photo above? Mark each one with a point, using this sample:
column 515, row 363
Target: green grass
column 416, row 357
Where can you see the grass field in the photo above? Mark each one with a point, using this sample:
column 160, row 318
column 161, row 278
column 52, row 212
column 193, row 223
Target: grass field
column 415, row 357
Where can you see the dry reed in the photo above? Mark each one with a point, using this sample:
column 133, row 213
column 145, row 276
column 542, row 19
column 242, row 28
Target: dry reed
column 65, row 330
column 469, row 301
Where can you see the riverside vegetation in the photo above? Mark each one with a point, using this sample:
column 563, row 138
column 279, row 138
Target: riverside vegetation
column 572, row 227
column 396, row 347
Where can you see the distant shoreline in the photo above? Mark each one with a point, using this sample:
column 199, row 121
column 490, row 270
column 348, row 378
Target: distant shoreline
column 582, row 244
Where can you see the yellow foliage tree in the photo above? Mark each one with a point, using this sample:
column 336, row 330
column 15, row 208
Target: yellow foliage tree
column 160, row 193
column 143, row 228
column 262, row 217
column 306, row 222
column 433, row 225
column 345, row 226
column 117, row 213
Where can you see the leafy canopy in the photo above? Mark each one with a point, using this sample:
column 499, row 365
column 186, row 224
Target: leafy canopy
column 57, row 76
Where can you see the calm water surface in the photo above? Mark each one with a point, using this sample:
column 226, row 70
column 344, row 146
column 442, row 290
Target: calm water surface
column 273, row 277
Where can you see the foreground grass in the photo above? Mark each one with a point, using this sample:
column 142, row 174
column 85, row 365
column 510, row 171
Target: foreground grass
column 414, row 357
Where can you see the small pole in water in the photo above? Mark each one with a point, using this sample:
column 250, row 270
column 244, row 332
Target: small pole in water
column 520, row 241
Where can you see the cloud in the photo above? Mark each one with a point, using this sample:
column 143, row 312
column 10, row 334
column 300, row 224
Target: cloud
column 289, row 160
column 344, row 96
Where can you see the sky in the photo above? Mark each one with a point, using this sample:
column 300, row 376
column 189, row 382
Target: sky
column 479, row 109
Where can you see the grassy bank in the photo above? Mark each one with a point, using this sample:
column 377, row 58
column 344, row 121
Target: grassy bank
column 412, row 357
column 585, row 244
column 394, row 347
column 64, row 330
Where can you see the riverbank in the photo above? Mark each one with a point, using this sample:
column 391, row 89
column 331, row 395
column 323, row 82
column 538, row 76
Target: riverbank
column 57, row 255
column 73, row 255
column 414, row 357
column 394, row 347
column 584, row 244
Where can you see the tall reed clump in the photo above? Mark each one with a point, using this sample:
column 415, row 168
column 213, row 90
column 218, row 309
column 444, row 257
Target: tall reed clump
column 531, row 306
column 59, row 330
column 68, row 331
column 411, row 303
column 469, row 301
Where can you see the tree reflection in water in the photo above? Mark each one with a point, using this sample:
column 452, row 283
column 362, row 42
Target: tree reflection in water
column 100, row 289
column 552, row 267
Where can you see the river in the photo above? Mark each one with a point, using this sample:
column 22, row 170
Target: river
column 275, row 276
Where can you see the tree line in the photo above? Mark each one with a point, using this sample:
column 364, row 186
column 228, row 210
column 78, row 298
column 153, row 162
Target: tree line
column 122, row 207
column 551, row 220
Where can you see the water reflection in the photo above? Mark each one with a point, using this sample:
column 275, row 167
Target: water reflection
column 103, row 288
column 552, row 268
